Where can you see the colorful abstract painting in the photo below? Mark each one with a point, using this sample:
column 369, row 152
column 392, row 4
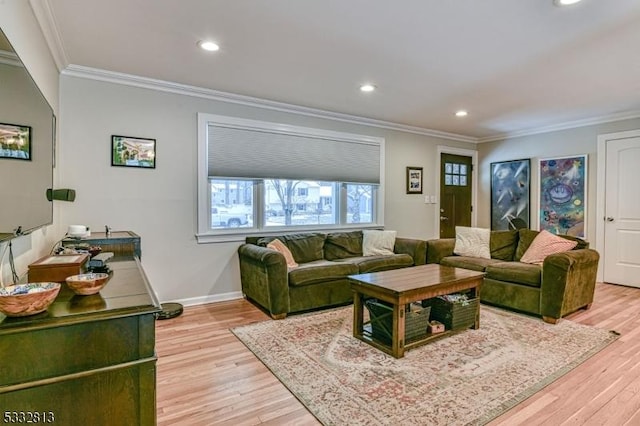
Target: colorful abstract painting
column 563, row 195
column 510, row 194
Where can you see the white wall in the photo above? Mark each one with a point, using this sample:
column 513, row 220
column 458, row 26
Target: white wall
column 21, row 28
column 160, row 204
column 582, row 140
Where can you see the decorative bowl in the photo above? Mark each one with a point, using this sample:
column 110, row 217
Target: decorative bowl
column 27, row 299
column 85, row 284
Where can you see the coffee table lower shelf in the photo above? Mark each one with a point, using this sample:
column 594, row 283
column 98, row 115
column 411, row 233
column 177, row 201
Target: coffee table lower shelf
column 368, row 338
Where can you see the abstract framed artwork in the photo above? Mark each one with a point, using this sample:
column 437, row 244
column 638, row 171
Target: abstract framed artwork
column 15, row 141
column 414, row 180
column 128, row 151
column 510, row 194
column 563, row 195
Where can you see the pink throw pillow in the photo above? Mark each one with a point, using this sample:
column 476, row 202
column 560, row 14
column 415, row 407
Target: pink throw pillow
column 282, row 248
column 544, row 244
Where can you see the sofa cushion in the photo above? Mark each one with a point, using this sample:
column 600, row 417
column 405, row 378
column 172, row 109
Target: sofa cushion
column 367, row 264
column 472, row 242
column 503, row 244
column 525, row 238
column 340, row 245
column 278, row 245
column 515, row 272
column 544, row 245
column 319, row 271
column 305, row 247
column 467, row 262
column 375, row 242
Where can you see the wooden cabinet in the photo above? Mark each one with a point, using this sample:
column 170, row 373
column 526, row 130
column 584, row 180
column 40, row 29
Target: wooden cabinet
column 87, row 360
column 120, row 243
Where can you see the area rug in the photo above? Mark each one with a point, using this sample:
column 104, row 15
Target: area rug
column 467, row 378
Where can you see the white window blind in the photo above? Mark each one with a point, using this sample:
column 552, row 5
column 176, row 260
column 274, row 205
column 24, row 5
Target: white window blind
column 253, row 149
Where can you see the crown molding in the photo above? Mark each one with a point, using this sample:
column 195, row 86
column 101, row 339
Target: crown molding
column 564, row 126
column 182, row 89
column 46, row 20
column 10, row 58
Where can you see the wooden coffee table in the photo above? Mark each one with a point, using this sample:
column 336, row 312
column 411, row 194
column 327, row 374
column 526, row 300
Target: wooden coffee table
column 400, row 287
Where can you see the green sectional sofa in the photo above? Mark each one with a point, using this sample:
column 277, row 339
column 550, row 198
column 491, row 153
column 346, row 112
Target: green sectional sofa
column 564, row 283
column 325, row 261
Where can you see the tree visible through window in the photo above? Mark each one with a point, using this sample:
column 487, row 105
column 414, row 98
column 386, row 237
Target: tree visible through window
column 295, row 202
column 359, row 203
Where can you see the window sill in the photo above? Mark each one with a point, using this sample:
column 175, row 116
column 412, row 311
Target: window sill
column 239, row 236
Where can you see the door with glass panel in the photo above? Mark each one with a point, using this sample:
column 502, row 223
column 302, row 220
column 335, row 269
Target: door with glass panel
column 455, row 193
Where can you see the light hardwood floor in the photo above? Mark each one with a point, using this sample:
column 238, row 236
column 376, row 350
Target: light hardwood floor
column 206, row 376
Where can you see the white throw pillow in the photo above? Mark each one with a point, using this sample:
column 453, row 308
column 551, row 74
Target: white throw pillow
column 472, row 242
column 377, row 242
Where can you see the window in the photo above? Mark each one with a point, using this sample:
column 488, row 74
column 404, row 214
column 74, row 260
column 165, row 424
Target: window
column 231, row 203
column 455, row 174
column 299, row 202
column 360, row 203
column 258, row 176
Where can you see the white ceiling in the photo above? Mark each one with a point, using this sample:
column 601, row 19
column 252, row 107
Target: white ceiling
column 517, row 66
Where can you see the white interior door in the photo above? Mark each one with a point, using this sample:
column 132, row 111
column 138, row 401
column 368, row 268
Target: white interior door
column 621, row 255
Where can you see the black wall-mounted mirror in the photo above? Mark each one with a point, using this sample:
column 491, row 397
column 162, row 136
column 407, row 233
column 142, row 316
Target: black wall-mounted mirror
column 27, row 132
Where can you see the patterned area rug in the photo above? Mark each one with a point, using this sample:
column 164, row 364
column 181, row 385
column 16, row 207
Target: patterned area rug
column 465, row 379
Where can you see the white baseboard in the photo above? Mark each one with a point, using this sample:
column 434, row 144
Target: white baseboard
column 208, row 299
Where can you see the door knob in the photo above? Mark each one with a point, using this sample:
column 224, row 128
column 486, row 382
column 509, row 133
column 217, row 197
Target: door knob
column 609, row 219
column 443, row 218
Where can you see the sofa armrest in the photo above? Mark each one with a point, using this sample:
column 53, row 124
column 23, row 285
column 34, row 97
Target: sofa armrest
column 417, row 249
column 264, row 277
column 439, row 248
column 568, row 282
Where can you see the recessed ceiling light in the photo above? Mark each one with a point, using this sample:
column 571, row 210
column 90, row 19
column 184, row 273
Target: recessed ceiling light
column 367, row 87
column 565, row 2
column 208, row 45
column 461, row 113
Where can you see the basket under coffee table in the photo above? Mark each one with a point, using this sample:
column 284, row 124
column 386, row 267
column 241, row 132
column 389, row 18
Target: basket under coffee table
column 400, row 287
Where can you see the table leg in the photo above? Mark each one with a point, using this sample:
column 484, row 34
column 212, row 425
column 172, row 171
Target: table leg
column 476, row 294
column 357, row 314
column 397, row 340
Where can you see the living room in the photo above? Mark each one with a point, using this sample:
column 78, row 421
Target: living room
column 92, row 104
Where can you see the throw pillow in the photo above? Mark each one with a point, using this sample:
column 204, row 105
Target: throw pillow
column 341, row 245
column 278, row 245
column 305, row 246
column 376, row 242
column 472, row 242
column 544, row 244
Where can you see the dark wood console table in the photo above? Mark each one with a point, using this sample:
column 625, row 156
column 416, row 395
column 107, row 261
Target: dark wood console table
column 87, row 360
column 120, row 243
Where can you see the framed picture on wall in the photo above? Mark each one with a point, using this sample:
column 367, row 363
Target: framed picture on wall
column 563, row 195
column 510, row 194
column 15, row 141
column 414, row 180
column 127, row 151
